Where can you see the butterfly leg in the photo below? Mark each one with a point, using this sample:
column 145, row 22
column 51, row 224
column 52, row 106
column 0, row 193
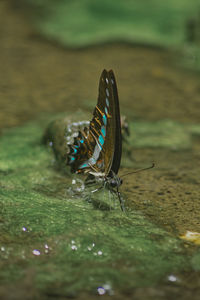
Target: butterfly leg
column 121, row 200
column 96, row 190
column 90, row 180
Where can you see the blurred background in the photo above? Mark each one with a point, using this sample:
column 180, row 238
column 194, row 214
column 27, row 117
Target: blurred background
column 52, row 54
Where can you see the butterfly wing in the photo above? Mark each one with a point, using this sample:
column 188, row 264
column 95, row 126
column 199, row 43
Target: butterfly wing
column 98, row 150
column 116, row 124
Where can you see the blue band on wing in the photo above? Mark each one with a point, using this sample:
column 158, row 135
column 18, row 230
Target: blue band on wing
column 71, row 159
column 84, row 165
column 75, row 151
column 104, row 120
column 101, row 140
column 103, row 130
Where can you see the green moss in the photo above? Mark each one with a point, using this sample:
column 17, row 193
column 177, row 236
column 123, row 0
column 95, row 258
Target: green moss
column 171, row 24
column 163, row 134
column 86, row 22
column 196, row 261
column 88, row 246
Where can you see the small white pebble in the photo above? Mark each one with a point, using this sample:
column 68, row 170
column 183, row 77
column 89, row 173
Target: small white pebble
column 74, row 247
column 101, row 290
column 172, row 278
column 36, row 252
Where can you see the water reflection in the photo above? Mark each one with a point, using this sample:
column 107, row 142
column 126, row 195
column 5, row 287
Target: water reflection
column 36, row 252
column 172, row 278
column 106, row 288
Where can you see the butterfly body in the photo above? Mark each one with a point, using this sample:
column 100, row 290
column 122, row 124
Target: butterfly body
column 97, row 149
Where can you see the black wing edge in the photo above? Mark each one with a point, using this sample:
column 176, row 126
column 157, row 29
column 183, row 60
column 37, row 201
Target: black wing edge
column 118, row 136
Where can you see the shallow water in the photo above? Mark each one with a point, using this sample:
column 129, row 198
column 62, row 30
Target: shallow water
column 55, row 244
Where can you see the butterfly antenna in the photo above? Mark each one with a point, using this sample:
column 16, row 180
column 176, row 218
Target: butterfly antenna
column 137, row 171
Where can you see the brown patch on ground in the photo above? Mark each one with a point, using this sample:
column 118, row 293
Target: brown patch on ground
column 169, row 194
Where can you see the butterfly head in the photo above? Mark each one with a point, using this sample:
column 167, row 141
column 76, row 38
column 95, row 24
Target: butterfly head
column 113, row 181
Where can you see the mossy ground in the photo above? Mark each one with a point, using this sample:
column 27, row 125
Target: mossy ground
column 69, row 245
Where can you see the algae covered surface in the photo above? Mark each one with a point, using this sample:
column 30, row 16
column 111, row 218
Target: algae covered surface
column 62, row 245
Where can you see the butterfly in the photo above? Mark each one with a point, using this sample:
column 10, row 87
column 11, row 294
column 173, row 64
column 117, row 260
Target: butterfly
column 97, row 149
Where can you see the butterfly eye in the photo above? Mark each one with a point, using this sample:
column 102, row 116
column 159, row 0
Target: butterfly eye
column 113, row 183
column 116, row 182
